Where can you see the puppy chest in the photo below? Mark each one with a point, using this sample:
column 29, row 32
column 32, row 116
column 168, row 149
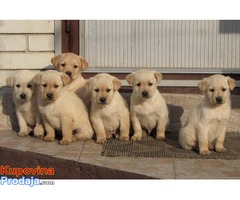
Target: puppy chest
column 216, row 117
column 29, row 114
column 30, row 118
column 54, row 119
column 148, row 121
column 55, row 122
column 145, row 109
column 111, row 123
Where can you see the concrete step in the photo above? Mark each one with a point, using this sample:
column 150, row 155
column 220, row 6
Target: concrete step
column 53, row 161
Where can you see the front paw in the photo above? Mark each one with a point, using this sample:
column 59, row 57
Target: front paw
column 124, row 138
column 160, row 138
column 48, row 139
column 22, row 133
column 221, row 150
column 38, row 131
column 40, row 137
column 136, row 138
column 74, row 139
column 101, row 140
column 205, row 153
column 64, row 142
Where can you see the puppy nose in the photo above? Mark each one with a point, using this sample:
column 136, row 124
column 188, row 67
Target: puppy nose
column 102, row 100
column 23, row 96
column 69, row 73
column 145, row 94
column 49, row 95
column 219, row 100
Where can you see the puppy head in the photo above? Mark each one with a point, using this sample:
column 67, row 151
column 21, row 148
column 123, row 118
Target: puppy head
column 103, row 86
column 70, row 64
column 23, row 85
column 50, row 84
column 216, row 88
column 144, row 83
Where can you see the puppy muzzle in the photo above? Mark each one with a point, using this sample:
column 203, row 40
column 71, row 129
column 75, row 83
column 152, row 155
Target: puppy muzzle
column 219, row 100
column 23, row 96
column 102, row 100
column 69, row 74
column 145, row 94
column 49, row 96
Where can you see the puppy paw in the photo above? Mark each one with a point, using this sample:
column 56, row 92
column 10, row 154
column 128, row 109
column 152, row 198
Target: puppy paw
column 22, row 134
column 221, row 150
column 210, row 146
column 109, row 136
column 81, row 138
column 160, row 138
column 64, row 142
column 124, row 138
column 74, row 139
column 38, row 131
column 136, row 138
column 101, row 141
column 205, row 153
column 48, row 139
column 40, row 137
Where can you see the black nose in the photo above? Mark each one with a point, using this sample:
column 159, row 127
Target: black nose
column 145, row 94
column 49, row 95
column 219, row 100
column 102, row 100
column 23, row 96
column 69, row 73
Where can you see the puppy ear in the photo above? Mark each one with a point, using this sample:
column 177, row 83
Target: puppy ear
column 55, row 60
column 65, row 79
column 116, row 84
column 202, row 85
column 37, row 78
column 231, row 83
column 10, row 80
column 129, row 78
column 158, row 76
column 84, row 63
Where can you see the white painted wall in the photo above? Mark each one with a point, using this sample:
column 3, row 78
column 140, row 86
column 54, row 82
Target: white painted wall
column 27, row 44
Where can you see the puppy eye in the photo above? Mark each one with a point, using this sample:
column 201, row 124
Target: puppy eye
column 96, row 90
column 18, row 85
column 211, row 90
column 63, row 64
column 138, row 84
column 108, row 90
column 44, row 85
column 75, row 66
column 56, row 86
column 150, row 84
column 224, row 89
column 29, row 85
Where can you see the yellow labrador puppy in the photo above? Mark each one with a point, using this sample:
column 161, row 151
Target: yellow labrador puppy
column 207, row 124
column 60, row 109
column 148, row 108
column 72, row 65
column 25, row 100
column 109, row 111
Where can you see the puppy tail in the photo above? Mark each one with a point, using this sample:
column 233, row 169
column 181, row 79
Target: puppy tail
column 187, row 139
column 84, row 133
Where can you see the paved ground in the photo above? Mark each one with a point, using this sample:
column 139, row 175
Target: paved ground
column 89, row 154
